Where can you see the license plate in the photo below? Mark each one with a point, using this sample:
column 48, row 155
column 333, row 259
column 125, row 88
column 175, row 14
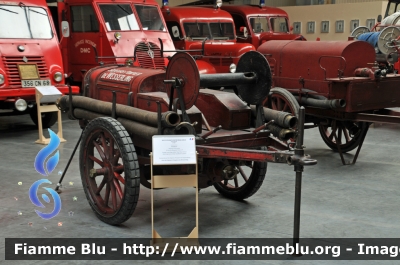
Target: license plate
column 34, row 83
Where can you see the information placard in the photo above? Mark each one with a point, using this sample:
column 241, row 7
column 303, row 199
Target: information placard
column 174, row 149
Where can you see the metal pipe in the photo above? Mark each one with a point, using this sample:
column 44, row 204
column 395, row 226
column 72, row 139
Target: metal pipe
column 169, row 118
column 322, row 103
column 281, row 133
column 132, row 127
column 283, row 119
column 232, row 79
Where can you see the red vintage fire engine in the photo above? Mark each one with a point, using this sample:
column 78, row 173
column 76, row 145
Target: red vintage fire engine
column 30, row 57
column 258, row 24
column 207, row 34
column 123, row 32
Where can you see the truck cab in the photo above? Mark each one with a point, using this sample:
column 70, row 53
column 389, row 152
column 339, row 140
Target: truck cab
column 129, row 32
column 30, row 57
column 257, row 24
column 194, row 28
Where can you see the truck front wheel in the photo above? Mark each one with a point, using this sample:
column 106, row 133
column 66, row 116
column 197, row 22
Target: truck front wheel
column 48, row 118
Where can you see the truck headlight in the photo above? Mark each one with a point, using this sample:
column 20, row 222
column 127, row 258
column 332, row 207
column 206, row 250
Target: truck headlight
column 2, row 79
column 58, row 76
column 21, row 104
column 232, row 68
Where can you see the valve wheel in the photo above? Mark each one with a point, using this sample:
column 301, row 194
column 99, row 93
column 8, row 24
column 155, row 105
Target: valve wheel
column 109, row 170
column 244, row 184
column 347, row 140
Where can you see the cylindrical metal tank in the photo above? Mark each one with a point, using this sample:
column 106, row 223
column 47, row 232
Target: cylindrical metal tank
column 294, row 61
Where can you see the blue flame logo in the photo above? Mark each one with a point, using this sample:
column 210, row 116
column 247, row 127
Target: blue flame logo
column 45, row 153
column 35, row 200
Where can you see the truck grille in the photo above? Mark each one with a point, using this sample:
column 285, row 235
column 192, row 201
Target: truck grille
column 149, row 56
column 223, row 61
column 11, row 68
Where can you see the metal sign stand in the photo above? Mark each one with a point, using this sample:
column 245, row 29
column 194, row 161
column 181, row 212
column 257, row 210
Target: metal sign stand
column 174, row 181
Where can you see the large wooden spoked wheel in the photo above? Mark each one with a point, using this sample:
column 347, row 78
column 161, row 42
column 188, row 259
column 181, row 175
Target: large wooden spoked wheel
column 109, row 170
column 246, row 183
column 346, row 139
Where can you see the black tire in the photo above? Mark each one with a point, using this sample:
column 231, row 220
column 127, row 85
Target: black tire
column 117, row 170
column 350, row 141
column 249, row 187
column 48, row 118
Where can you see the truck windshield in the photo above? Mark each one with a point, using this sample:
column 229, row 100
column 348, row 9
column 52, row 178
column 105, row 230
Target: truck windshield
column 279, row 24
column 150, row 18
column 212, row 31
column 259, row 24
column 24, row 22
column 222, row 31
column 119, row 17
column 276, row 24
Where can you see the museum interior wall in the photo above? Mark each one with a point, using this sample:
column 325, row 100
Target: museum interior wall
column 334, row 22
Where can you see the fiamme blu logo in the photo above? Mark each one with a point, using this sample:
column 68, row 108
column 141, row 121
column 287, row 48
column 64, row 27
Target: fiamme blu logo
column 45, row 162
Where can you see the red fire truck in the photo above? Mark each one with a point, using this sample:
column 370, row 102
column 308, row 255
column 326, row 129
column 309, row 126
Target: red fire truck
column 196, row 28
column 123, row 31
column 258, row 24
column 29, row 57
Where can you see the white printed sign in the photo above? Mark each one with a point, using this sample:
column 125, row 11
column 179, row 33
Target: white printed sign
column 174, row 149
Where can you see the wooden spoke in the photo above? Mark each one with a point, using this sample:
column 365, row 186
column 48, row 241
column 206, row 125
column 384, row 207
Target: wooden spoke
column 113, row 196
column 95, row 159
column 118, row 188
column 99, row 150
column 103, row 182
column 244, row 176
column 107, row 195
column 119, row 177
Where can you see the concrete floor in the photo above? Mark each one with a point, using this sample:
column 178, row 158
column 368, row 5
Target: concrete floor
column 338, row 201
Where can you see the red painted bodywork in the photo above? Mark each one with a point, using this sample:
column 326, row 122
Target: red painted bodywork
column 78, row 48
column 44, row 53
column 299, row 67
column 218, row 54
column 247, row 11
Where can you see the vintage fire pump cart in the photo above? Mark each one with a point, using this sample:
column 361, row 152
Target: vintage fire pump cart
column 124, row 106
column 341, row 84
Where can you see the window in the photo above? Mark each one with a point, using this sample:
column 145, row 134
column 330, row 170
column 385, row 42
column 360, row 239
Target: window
column 239, row 22
column 259, row 24
column 391, row 8
column 222, row 31
column 197, row 30
column 150, row 18
column 24, row 22
column 84, row 19
column 279, row 24
column 119, row 17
